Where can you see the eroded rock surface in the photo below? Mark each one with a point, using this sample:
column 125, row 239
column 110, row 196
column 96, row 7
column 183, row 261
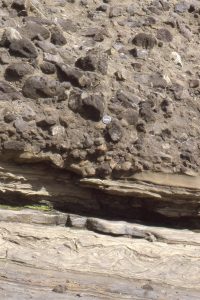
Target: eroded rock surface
column 140, row 57
column 44, row 261
column 99, row 115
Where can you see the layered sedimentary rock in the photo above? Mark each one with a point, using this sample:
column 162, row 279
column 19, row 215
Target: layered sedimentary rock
column 153, row 197
column 38, row 259
column 99, row 119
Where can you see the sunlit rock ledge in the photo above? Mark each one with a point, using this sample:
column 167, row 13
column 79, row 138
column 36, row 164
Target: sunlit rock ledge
column 144, row 196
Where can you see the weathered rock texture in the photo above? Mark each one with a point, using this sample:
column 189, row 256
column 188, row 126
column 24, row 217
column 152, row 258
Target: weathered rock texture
column 99, row 117
column 158, row 198
column 58, row 262
column 44, row 253
column 105, row 89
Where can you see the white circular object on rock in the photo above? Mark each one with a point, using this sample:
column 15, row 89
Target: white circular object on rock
column 106, row 119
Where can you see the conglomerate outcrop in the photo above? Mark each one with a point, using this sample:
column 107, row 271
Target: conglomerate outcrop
column 99, row 125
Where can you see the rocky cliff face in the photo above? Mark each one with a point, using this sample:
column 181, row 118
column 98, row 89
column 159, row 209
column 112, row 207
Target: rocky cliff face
column 99, row 105
column 104, row 89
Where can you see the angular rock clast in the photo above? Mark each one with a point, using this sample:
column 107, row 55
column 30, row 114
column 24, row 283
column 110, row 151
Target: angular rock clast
column 42, row 87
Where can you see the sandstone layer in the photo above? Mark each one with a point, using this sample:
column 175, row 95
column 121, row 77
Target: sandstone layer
column 41, row 260
column 99, row 149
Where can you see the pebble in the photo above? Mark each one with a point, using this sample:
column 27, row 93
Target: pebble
column 115, row 131
column 23, row 47
column 194, row 83
column 92, row 107
column 164, row 35
column 176, row 58
column 35, row 31
column 139, row 53
column 18, row 70
column 144, row 40
column 48, row 68
column 21, row 5
column 95, row 60
column 181, row 7
column 116, row 11
column 42, row 87
column 4, row 57
column 57, row 37
column 10, row 34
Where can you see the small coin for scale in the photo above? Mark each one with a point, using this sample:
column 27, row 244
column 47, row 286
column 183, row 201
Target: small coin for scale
column 106, row 119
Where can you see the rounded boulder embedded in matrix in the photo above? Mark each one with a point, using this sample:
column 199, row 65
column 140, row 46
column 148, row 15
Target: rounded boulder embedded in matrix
column 144, row 40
